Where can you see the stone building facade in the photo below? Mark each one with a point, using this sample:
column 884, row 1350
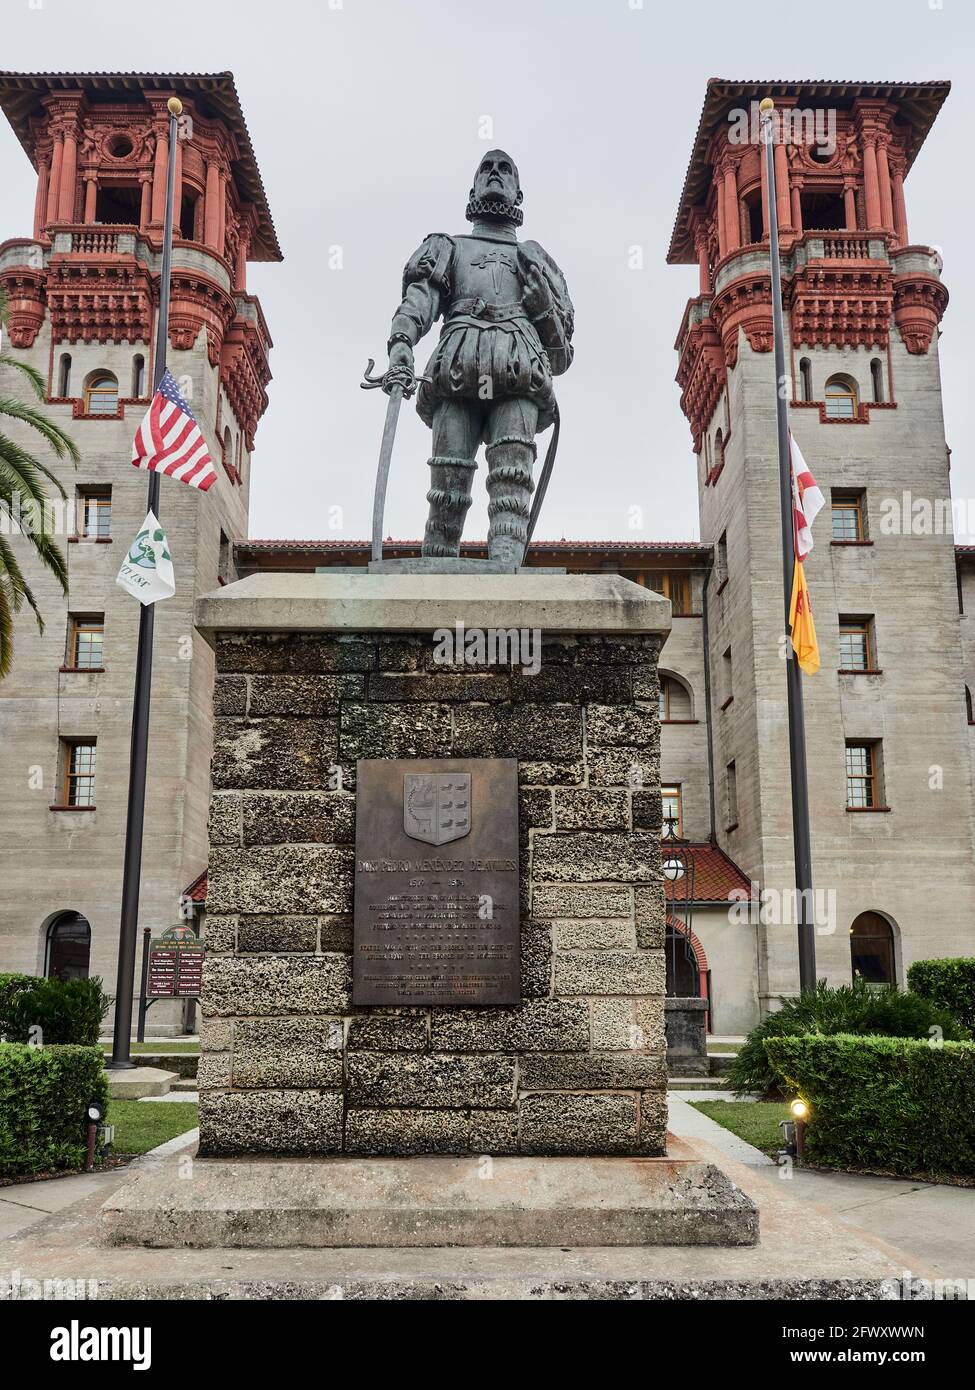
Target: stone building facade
column 83, row 292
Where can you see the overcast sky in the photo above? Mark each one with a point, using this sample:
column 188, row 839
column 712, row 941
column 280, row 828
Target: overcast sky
column 367, row 119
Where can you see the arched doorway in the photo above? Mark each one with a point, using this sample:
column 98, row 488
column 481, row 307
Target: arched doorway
column 872, row 949
column 688, row 973
column 68, row 947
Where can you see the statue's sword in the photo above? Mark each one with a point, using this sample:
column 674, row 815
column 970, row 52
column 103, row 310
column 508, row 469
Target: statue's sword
column 399, row 383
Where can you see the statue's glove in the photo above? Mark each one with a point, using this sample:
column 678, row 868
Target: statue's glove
column 536, row 292
column 401, row 371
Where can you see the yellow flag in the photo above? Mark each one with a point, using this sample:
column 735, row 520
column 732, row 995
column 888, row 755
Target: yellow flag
column 804, row 642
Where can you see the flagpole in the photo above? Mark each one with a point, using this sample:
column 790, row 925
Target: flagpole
column 139, row 746
column 801, row 840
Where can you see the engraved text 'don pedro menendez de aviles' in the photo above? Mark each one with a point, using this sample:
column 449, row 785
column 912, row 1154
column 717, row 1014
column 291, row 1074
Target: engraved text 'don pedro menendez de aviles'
column 436, row 882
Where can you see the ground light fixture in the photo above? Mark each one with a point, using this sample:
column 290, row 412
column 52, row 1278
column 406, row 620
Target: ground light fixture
column 793, row 1131
column 94, row 1114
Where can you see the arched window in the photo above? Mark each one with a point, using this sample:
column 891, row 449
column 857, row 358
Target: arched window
column 805, row 380
column 68, row 947
column 228, row 450
column 101, row 394
column 64, row 375
column 719, row 450
column 877, row 378
column 138, row 376
column 675, row 699
column 841, row 398
column 872, row 949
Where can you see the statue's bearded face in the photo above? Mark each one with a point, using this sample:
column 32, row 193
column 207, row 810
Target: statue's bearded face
column 497, row 178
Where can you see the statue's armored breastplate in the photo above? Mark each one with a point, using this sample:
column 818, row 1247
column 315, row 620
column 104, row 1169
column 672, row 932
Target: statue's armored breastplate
column 484, row 273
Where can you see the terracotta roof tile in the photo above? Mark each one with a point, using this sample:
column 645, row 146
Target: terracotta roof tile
column 716, row 877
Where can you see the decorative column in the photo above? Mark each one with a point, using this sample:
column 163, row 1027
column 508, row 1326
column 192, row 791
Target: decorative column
column 159, row 177
column 243, row 246
column 849, row 205
column 797, row 207
column 883, row 172
column 703, row 269
column 782, row 209
column 732, row 212
column 211, row 223
column 69, row 174
column 40, row 201
column 719, row 203
column 178, row 188
column 765, row 193
column 91, row 194
column 871, row 184
column 900, row 207
column 54, row 183
column 145, row 207
column 222, row 206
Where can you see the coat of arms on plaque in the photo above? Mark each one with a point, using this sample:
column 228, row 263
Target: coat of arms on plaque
column 437, row 806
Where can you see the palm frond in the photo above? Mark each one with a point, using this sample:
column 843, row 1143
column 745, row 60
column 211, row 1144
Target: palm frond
column 21, row 471
column 60, row 442
column 6, row 630
column 37, row 382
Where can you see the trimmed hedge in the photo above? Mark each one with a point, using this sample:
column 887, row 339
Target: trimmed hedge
column 894, row 1104
column 43, row 1011
column 44, row 1093
column 856, row 1008
column 950, row 983
column 10, row 987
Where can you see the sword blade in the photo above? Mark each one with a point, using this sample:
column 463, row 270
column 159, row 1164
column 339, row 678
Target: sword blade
column 382, row 472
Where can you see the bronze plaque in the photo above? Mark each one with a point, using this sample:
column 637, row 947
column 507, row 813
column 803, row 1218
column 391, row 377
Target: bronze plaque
column 436, row 882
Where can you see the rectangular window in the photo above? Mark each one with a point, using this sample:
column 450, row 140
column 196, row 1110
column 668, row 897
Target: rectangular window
column 86, row 641
column 731, row 794
column 670, row 800
column 862, row 775
column 721, row 560
column 674, row 585
column 848, row 516
column 856, row 644
column 78, row 773
column 94, row 512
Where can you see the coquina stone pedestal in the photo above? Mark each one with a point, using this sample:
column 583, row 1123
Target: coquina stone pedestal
column 315, row 672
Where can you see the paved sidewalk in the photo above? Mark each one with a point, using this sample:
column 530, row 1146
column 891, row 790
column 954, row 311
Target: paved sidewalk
column 934, row 1223
column 24, row 1204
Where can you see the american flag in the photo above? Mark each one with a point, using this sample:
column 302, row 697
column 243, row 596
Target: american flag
column 169, row 439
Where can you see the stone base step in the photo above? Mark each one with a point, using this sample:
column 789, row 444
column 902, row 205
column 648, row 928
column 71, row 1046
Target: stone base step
column 135, row 1083
column 433, row 1201
column 698, row 1083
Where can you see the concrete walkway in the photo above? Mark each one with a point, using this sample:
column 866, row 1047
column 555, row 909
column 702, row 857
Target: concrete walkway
column 933, row 1223
column 24, row 1204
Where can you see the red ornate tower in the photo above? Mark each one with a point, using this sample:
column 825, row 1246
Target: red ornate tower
column 885, row 716
column 83, row 290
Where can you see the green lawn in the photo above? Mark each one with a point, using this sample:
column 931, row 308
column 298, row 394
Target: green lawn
column 141, row 1125
column 757, row 1122
column 166, row 1046
column 725, row 1047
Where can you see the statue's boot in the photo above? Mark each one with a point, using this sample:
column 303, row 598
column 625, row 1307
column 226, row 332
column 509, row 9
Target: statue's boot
column 449, row 497
column 510, row 487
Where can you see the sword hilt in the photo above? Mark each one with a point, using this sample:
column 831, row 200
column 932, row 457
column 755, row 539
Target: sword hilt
column 404, row 377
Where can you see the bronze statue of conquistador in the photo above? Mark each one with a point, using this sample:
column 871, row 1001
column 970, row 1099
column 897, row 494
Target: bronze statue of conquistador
column 507, row 331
